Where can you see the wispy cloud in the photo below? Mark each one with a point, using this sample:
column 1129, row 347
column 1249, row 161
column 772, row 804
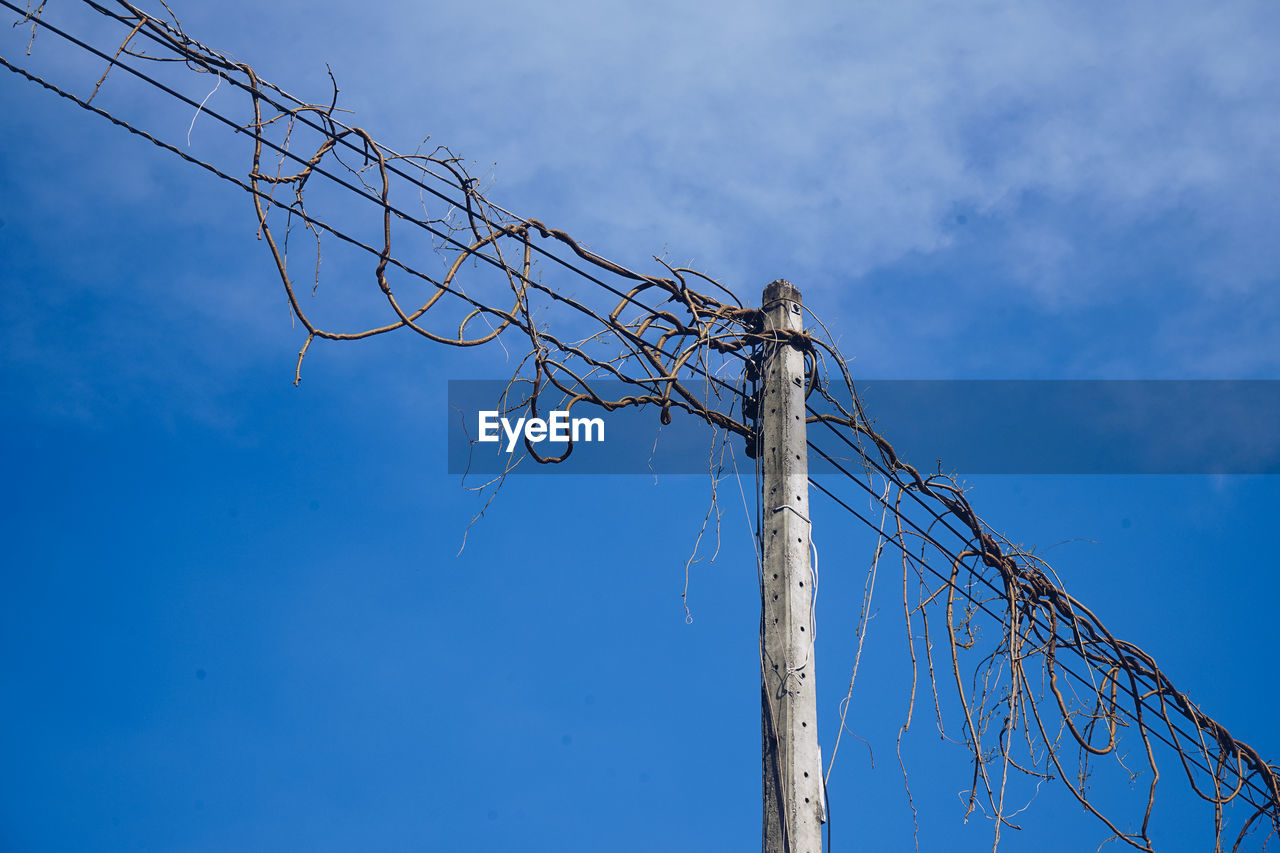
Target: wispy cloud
column 858, row 130
column 1071, row 158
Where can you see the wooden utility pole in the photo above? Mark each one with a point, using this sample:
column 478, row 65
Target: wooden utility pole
column 794, row 807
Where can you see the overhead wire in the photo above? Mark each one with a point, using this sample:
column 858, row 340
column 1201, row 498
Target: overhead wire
column 117, row 62
column 307, row 217
column 922, row 563
column 304, row 118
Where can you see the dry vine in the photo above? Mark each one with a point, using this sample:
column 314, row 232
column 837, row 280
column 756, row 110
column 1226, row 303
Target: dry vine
column 669, row 338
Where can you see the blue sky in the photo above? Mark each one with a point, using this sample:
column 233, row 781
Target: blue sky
column 236, row 615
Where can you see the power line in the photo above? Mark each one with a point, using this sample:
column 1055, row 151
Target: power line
column 320, row 223
column 921, row 563
column 304, row 118
column 870, row 460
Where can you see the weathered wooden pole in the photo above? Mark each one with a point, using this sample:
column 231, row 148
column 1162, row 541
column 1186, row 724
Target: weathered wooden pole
column 793, row 791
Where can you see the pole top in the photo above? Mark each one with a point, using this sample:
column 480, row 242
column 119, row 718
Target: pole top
column 780, row 289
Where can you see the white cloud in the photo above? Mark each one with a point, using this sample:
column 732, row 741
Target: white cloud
column 856, row 127
column 847, row 129
column 826, row 141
